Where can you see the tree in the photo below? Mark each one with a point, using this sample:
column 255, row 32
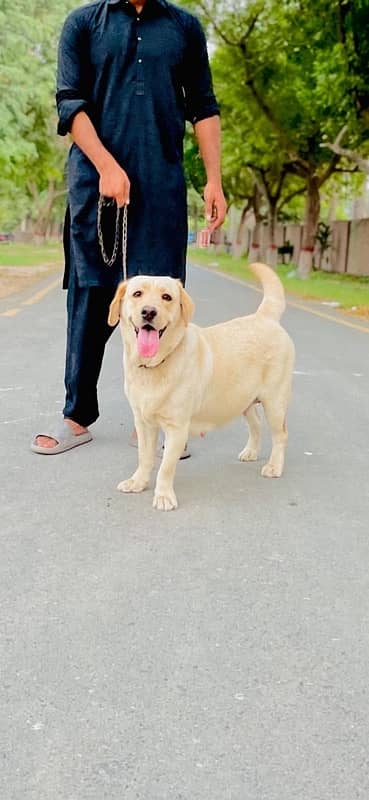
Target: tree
column 287, row 62
column 32, row 157
column 257, row 173
column 352, row 155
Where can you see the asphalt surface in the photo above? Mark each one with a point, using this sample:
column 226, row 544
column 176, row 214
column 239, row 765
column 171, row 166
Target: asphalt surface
column 219, row 652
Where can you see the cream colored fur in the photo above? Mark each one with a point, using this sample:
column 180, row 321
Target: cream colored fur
column 202, row 378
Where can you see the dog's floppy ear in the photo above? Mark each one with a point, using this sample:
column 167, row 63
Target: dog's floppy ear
column 187, row 305
column 114, row 309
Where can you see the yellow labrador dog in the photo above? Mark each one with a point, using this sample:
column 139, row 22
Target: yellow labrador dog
column 188, row 380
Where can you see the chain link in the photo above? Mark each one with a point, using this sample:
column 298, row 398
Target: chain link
column 124, row 241
column 109, row 261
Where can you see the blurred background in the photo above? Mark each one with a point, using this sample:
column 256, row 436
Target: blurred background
column 292, row 79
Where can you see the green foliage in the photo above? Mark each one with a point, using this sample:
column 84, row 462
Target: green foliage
column 324, row 236
column 289, row 75
column 30, row 151
column 355, row 26
column 14, row 204
column 286, row 78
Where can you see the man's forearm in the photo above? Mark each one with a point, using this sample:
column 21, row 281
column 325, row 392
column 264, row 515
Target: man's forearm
column 114, row 181
column 207, row 133
column 84, row 135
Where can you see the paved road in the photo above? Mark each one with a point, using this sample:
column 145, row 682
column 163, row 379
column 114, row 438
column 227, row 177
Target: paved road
column 219, row 652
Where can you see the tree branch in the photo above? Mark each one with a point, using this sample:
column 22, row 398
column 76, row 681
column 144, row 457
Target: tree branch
column 250, row 29
column 361, row 163
column 330, row 170
column 291, row 196
column 216, row 27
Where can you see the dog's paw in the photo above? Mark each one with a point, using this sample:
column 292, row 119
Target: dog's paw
column 271, row 471
column 248, row 454
column 165, row 502
column 132, row 485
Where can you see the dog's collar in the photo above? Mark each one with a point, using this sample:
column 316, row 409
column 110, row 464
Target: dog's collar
column 151, row 366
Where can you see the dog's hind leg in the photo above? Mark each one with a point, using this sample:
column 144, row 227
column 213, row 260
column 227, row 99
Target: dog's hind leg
column 147, row 441
column 275, row 412
column 251, row 451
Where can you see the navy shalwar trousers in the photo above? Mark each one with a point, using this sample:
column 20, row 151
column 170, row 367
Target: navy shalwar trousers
column 87, row 334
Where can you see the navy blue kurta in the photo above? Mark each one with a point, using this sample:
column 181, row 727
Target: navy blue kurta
column 138, row 77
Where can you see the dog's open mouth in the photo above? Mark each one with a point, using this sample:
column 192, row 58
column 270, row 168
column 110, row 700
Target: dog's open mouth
column 148, row 340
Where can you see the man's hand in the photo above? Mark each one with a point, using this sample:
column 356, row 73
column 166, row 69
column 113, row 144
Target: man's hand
column 114, row 182
column 215, row 205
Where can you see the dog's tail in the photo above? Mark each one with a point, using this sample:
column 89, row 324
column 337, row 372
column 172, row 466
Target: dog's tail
column 274, row 302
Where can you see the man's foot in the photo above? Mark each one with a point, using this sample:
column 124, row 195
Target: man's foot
column 133, row 441
column 48, row 441
column 63, row 436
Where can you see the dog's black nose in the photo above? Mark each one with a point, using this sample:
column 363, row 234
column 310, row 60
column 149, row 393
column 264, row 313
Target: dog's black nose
column 148, row 313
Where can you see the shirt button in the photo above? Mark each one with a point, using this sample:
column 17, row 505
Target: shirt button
column 139, row 38
column 140, row 60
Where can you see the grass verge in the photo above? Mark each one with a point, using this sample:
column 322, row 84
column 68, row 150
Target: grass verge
column 30, row 255
column 350, row 292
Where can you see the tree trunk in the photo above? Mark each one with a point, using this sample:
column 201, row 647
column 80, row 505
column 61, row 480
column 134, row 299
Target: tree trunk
column 195, row 218
column 240, row 231
column 240, row 245
column 255, row 242
column 254, row 252
column 43, row 207
column 43, row 217
column 312, row 211
column 272, row 250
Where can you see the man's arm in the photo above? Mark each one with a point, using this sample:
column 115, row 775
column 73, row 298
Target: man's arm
column 114, row 181
column 207, row 133
column 72, row 98
column 202, row 110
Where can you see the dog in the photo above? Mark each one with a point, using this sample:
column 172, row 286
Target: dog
column 187, row 380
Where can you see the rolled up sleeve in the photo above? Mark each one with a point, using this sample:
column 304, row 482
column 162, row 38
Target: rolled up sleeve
column 72, row 87
column 198, row 86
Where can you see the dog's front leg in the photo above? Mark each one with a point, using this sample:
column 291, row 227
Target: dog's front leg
column 147, row 436
column 175, row 442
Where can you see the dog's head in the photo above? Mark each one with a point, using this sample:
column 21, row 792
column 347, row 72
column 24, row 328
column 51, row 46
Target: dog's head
column 153, row 311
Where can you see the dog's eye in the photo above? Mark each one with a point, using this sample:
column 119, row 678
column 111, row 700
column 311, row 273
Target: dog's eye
column 166, row 297
column 137, row 294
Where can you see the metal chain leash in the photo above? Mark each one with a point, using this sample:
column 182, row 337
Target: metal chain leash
column 124, row 241
column 109, row 261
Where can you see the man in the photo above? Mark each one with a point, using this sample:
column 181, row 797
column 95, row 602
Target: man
column 130, row 72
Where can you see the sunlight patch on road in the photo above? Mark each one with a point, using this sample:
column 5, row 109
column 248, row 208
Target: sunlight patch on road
column 39, row 295
column 11, row 312
column 30, row 301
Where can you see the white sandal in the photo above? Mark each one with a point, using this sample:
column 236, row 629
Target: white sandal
column 64, row 437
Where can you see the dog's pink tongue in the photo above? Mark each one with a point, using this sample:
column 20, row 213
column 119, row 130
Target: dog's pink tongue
column 148, row 343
